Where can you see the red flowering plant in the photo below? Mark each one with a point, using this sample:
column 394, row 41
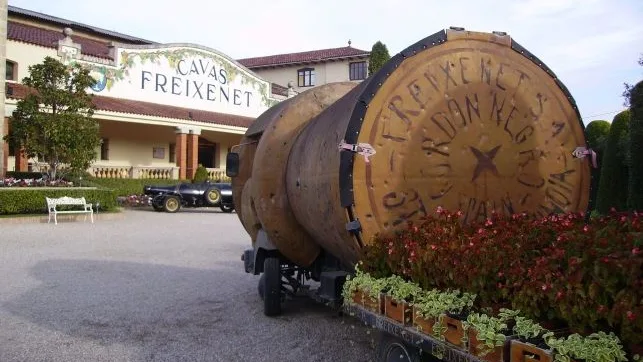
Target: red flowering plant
column 561, row 269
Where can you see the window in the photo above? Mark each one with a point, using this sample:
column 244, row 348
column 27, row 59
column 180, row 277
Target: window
column 172, row 152
column 12, row 67
column 357, row 71
column 104, row 149
column 306, row 77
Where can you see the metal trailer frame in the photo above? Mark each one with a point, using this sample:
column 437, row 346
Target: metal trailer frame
column 397, row 342
column 414, row 340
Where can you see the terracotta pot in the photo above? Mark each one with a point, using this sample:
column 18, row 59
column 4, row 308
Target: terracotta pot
column 455, row 331
column 476, row 347
column 525, row 352
column 357, row 297
column 424, row 325
column 376, row 306
column 398, row 311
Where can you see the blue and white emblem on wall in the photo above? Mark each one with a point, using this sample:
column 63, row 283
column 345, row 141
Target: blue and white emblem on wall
column 101, row 79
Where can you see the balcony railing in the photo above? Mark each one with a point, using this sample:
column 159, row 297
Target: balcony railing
column 140, row 172
column 147, row 172
column 218, row 174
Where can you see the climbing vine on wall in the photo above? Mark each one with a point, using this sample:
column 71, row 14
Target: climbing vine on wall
column 173, row 56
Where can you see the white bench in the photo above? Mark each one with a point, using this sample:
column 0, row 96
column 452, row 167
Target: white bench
column 52, row 203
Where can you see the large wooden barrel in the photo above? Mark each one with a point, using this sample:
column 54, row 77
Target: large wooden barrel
column 241, row 184
column 267, row 185
column 462, row 120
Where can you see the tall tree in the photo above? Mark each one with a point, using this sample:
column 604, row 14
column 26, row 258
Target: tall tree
column 378, row 57
column 54, row 121
column 635, row 186
column 628, row 87
column 612, row 189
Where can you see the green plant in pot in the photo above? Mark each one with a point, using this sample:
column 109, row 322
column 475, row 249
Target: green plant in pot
column 529, row 330
column 371, row 287
column 488, row 332
column 597, row 347
column 402, row 290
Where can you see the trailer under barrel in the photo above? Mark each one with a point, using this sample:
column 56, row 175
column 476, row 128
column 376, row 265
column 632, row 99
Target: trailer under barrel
column 459, row 120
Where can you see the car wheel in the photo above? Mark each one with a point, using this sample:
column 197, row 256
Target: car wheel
column 171, row 204
column 227, row 208
column 212, row 196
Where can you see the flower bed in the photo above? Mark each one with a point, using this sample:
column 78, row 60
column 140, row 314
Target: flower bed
column 569, row 275
column 135, row 201
column 33, row 182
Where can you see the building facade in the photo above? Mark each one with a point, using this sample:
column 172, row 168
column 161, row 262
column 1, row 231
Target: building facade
column 304, row 70
column 163, row 109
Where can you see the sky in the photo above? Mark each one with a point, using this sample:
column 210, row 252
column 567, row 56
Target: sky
column 592, row 45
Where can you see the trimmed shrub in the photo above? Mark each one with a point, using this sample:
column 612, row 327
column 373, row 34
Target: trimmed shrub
column 378, row 57
column 126, row 187
column 612, row 189
column 32, row 200
column 635, row 186
column 596, row 135
column 201, row 174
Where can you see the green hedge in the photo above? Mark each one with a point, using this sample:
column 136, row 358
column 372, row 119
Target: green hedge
column 32, row 200
column 24, row 175
column 612, row 189
column 125, row 187
column 635, row 183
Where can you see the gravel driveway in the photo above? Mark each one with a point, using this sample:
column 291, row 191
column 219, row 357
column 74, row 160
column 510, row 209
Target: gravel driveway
column 153, row 287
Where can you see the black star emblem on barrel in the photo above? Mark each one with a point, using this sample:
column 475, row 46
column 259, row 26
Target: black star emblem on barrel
column 485, row 161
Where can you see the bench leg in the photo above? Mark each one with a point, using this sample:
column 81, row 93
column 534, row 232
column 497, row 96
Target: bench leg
column 55, row 219
column 91, row 214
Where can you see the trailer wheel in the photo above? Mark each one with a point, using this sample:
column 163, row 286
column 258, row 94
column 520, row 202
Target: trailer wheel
column 393, row 349
column 261, row 287
column 272, row 286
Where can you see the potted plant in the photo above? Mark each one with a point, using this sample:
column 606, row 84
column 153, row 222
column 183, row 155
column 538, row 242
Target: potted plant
column 487, row 335
column 365, row 290
column 459, row 308
column 398, row 297
column 427, row 307
column 597, row 347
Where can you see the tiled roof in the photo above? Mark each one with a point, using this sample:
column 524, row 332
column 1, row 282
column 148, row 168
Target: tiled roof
column 303, row 57
column 14, row 11
column 49, row 38
column 19, row 91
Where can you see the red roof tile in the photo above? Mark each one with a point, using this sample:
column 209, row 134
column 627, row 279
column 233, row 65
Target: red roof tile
column 49, row 38
column 19, row 91
column 303, row 57
column 16, row 12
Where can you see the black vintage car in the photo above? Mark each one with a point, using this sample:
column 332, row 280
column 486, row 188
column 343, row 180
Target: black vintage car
column 206, row 194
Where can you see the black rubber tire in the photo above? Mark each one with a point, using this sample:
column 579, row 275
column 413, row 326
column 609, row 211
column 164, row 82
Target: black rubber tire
column 393, row 349
column 212, row 196
column 227, row 208
column 171, row 204
column 261, row 286
column 272, row 286
column 157, row 208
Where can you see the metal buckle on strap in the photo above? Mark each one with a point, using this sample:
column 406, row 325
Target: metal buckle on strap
column 363, row 149
column 582, row 152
